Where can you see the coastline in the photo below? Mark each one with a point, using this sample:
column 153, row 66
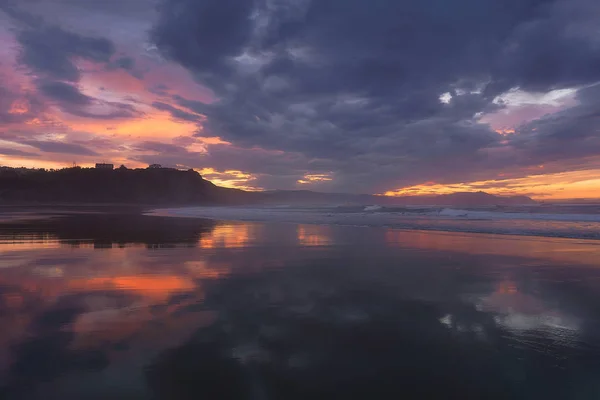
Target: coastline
column 575, row 230
column 157, row 229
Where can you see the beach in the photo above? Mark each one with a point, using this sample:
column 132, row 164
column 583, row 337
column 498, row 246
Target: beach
column 119, row 304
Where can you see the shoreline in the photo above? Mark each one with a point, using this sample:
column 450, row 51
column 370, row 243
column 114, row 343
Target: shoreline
column 158, row 230
column 168, row 212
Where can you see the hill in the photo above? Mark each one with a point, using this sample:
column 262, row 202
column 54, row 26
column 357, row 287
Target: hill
column 91, row 185
column 165, row 186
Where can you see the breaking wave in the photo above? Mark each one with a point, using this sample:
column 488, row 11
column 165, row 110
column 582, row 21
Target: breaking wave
column 552, row 220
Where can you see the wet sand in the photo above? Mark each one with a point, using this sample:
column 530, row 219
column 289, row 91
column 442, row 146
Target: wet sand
column 121, row 305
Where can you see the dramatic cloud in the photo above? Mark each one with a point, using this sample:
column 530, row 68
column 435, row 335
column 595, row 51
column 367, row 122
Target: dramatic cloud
column 391, row 93
column 59, row 147
column 572, row 133
column 161, row 148
column 339, row 95
column 126, row 63
column 70, row 99
column 18, row 107
column 6, row 151
column 50, row 51
column 175, row 112
column 64, row 93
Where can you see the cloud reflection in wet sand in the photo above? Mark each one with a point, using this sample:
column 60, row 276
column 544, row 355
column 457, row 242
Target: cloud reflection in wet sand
column 327, row 311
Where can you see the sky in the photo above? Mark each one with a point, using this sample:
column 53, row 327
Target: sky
column 396, row 97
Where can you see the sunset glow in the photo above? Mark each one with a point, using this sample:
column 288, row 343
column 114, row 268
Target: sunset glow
column 229, row 178
column 75, row 92
column 565, row 185
column 311, row 178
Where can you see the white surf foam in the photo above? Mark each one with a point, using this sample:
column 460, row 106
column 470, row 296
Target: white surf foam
column 442, row 219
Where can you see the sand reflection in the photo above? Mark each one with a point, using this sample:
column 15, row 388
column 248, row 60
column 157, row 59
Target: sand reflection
column 314, row 235
column 120, row 295
column 573, row 251
column 230, row 236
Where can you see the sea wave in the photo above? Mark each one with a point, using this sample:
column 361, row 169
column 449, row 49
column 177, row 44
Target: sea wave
column 475, row 214
column 569, row 225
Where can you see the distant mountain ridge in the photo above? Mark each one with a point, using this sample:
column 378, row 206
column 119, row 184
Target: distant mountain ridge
column 164, row 186
column 481, row 199
column 453, row 199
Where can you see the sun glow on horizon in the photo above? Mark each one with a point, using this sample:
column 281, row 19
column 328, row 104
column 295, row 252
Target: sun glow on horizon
column 314, row 178
column 565, row 185
column 233, row 179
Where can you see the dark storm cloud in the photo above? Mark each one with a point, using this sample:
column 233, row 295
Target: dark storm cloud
column 49, row 51
column 358, row 84
column 30, row 106
column 557, row 49
column 5, row 151
column 10, row 8
column 60, row 147
column 175, row 112
column 160, row 89
column 70, row 99
column 159, row 147
column 64, row 93
column 572, row 133
column 223, row 157
column 193, row 105
column 123, row 62
column 203, row 34
column 120, row 8
column 108, row 111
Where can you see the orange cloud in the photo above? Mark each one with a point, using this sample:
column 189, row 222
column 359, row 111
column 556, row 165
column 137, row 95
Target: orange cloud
column 229, row 178
column 565, row 185
column 313, row 178
column 19, row 107
column 505, row 131
column 117, row 82
column 155, row 125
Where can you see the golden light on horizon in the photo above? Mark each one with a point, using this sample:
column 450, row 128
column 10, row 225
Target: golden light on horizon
column 565, row 185
column 312, row 178
column 18, row 162
column 233, row 179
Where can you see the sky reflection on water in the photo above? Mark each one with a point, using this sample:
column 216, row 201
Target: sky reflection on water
column 151, row 307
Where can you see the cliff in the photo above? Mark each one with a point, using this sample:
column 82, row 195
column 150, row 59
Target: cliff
column 165, row 186
column 90, row 185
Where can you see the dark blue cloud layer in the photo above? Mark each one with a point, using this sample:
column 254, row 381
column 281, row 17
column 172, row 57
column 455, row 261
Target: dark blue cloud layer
column 347, row 87
column 356, row 84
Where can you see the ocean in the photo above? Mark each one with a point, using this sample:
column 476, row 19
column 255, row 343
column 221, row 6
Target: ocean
column 550, row 220
column 297, row 303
